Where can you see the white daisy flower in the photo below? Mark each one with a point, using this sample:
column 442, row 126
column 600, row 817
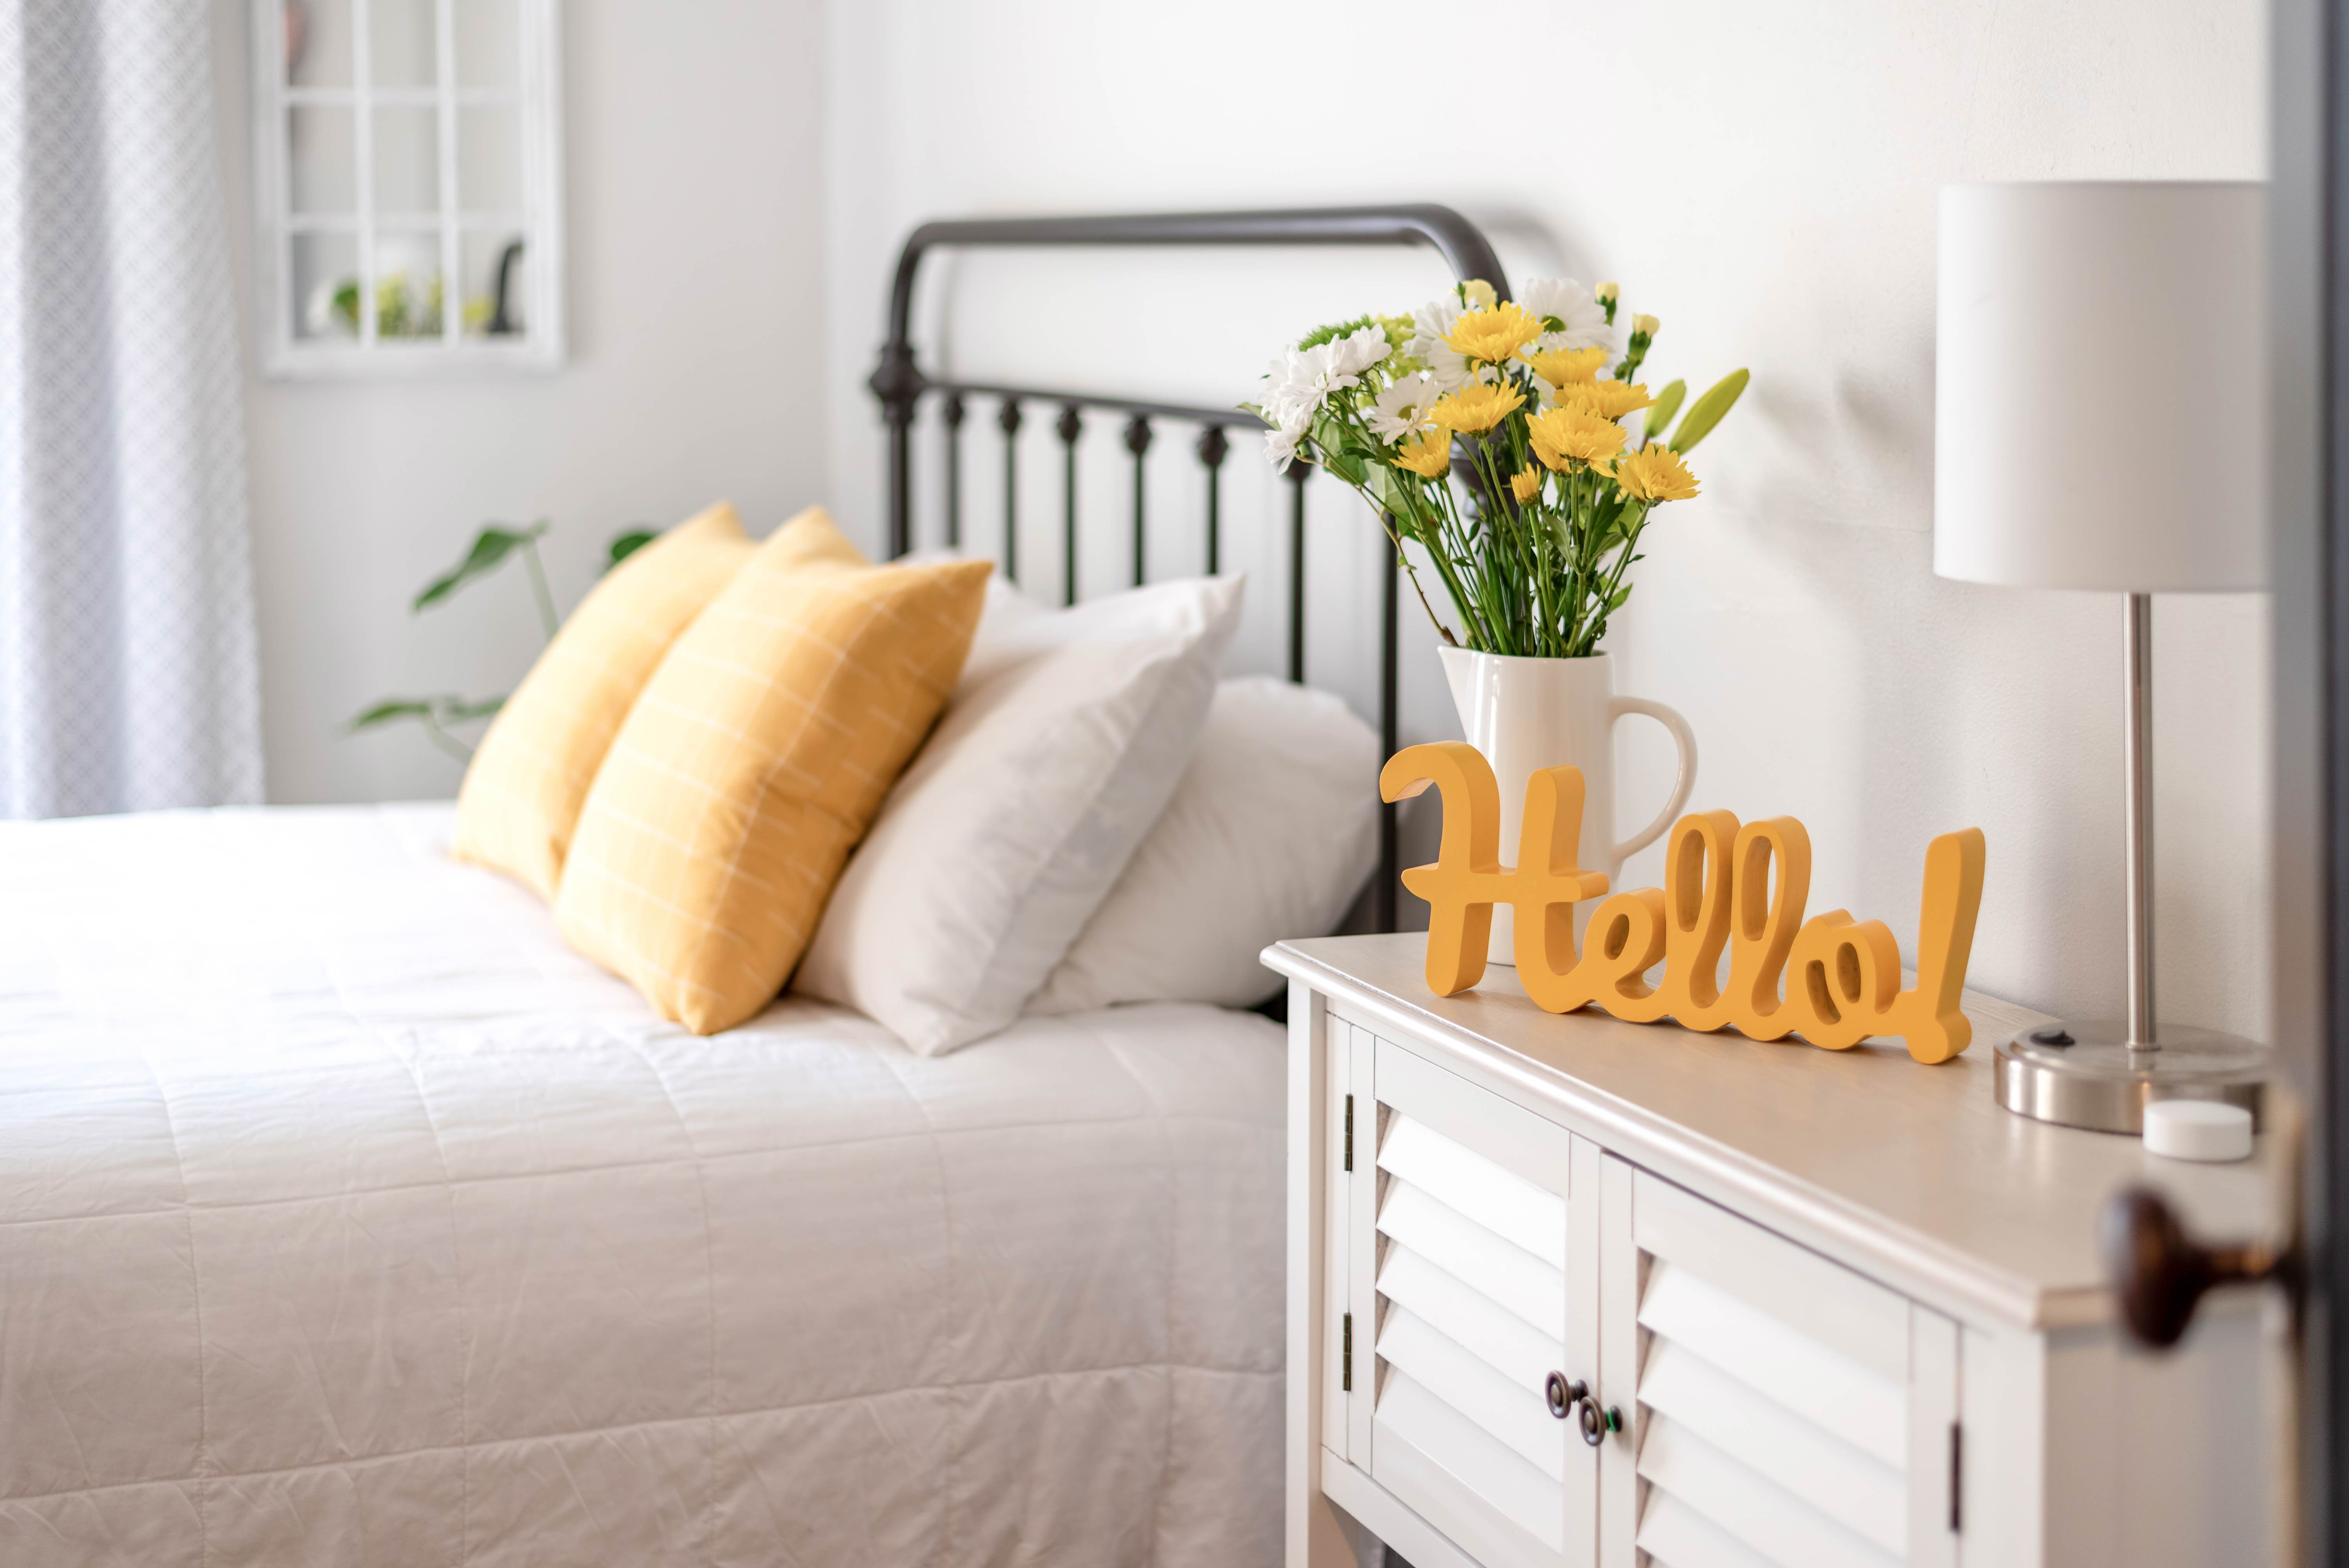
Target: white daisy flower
column 1301, row 380
column 1403, row 408
column 1363, row 347
column 1280, row 443
column 1430, row 325
column 1585, row 318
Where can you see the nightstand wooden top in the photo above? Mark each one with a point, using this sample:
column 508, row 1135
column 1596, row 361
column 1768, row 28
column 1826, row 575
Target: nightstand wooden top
column 1913, row 1172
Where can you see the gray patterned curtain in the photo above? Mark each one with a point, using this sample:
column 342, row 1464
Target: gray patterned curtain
column 127, row 677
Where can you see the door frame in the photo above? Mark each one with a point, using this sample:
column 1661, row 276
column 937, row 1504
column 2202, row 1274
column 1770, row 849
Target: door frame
column 2309, row 332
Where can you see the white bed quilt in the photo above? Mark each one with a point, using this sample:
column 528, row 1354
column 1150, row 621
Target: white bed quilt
column 348, row 1218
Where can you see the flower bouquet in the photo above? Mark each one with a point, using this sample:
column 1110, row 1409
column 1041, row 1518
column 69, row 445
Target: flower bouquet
column 1523, row 402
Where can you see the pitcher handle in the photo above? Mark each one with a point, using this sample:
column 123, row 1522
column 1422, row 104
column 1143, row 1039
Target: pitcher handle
column 1684, row 738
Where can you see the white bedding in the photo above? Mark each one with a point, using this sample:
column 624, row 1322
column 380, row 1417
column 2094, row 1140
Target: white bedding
column 347, row 1217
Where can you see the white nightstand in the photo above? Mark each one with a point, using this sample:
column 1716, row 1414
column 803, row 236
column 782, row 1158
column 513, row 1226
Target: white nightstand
column 1841, row 1308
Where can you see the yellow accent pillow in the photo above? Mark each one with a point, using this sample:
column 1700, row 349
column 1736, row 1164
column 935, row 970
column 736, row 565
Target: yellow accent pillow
column 750, row 768
column 525, row 786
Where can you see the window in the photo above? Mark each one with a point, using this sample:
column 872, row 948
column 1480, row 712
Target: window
column 408, row 184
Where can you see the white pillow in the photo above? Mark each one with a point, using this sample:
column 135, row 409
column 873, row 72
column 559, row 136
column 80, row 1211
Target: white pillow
column 1271, row 834
column 1062, row 744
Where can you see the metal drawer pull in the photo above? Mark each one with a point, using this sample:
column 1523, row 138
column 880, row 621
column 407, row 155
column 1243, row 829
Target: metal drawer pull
column 1597, row 1423
column 1563, row 1395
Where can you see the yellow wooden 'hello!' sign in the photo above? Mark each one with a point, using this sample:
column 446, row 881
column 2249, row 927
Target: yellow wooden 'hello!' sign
column 1843, row 977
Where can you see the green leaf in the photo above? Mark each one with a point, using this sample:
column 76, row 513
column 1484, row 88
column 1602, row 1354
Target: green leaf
column 491, row 547
column 1701, row 418
column 1668, row 403
column 442, row 707
column 458, row 710
column 629, row 544
column 393, row 707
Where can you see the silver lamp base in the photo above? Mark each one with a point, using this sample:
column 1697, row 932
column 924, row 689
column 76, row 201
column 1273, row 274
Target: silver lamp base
column 2098, row 1082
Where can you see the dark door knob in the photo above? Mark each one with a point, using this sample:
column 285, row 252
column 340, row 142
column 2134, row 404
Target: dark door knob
column 2160, row 1274
column 1563, row 1395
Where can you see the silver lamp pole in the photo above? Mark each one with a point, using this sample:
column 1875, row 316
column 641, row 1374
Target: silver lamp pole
column 2137, row 737
column 2102, row 1074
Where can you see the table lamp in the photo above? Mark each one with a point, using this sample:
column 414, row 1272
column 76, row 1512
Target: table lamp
column 2100, row 423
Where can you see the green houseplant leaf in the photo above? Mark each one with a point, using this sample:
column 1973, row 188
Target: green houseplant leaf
column 627, row 545
column 393, row 707
column 490, row 550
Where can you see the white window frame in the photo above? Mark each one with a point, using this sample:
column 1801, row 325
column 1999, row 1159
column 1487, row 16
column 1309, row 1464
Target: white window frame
column 538, row 99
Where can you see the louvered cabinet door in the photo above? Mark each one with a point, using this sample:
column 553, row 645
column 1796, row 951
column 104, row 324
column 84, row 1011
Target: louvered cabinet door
column 1474, row 1250
column 1788, row 1411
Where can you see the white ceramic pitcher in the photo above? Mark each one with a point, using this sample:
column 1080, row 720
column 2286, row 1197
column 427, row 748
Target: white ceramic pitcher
column 1525, row 714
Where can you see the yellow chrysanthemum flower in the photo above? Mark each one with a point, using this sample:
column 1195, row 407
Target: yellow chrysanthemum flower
column 1655, row 473
column 1427, row 454
column 1566, row 436
column 1613, row 400
column 1493, row 336
column 1525, row 484
column 1565, row 367
column 1476, row 407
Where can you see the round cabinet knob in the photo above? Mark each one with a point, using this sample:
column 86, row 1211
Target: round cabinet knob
column 1597, row 1423
column 1564, row 1396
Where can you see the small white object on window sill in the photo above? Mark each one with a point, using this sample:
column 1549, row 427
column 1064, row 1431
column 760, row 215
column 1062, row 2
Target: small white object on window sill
column 2204, row 1129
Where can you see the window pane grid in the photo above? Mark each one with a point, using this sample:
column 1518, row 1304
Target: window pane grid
column 376, row 245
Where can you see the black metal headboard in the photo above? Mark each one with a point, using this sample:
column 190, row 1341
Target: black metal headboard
column 900, row 384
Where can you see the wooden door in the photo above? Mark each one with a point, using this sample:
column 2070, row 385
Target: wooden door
column 1474, row 1250
column 1783, row 1409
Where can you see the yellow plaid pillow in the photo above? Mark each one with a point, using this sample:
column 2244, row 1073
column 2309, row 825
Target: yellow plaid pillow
column 750, row 767
column 523, row 792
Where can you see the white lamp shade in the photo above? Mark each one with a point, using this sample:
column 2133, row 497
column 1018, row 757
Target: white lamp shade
column 2101, row 401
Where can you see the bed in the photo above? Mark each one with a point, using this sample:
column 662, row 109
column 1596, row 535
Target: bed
column 347, row 1216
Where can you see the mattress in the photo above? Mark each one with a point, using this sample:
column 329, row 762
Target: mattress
column 347, row 1217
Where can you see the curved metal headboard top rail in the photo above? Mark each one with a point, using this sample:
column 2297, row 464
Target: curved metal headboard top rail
column 1461, row 242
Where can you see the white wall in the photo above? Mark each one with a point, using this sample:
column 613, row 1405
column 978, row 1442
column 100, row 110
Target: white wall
column 694, row 271
column 1762, row 178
